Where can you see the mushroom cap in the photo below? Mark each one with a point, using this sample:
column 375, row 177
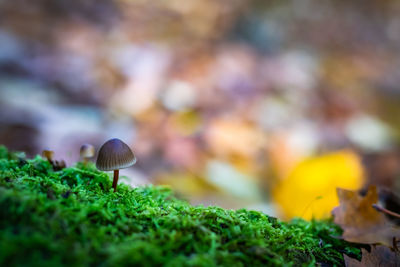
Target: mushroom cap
column 114, row 155
column 48, row 154
column 87, row 151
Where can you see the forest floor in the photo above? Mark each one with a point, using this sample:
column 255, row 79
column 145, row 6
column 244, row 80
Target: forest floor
column 53, row 216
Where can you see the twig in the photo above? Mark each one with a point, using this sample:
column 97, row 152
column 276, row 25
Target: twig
column 388, row 212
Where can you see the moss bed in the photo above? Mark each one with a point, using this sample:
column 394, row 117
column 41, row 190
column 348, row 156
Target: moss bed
column 72, row 217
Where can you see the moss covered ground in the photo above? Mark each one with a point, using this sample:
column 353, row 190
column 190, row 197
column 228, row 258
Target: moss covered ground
column 72, row 217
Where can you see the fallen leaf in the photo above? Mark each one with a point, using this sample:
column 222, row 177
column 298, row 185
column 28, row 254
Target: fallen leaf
column 309, row 191
column 360, row 222
column 379, row 256
column 227, row 137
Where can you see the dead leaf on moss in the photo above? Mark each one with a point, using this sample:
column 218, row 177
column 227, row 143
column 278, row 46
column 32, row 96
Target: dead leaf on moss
column 379, row 256
column 360, row 222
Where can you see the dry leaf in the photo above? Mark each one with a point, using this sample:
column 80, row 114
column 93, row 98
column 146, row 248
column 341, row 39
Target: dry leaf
column 379, row 256
column 360, row 222
column 227, row 137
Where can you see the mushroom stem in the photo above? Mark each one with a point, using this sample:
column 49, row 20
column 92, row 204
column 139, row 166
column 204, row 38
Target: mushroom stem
column 115, row 180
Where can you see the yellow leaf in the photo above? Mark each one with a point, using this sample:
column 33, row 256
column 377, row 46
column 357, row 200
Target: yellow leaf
column 185, row 122
column 310, row 189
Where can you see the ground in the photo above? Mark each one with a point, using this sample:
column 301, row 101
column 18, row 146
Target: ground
column 72, row 217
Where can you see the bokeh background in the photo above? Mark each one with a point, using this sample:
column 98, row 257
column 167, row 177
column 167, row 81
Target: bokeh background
column 268, row 105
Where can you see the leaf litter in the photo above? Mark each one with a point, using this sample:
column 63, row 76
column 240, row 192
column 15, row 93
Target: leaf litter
column 362, row 221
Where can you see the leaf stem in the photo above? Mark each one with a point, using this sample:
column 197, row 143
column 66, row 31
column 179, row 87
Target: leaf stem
column 388, row 212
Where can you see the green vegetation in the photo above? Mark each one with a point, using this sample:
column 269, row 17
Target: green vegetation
column 72, row 217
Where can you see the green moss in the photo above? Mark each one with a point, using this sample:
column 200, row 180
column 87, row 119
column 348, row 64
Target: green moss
column 72, row 217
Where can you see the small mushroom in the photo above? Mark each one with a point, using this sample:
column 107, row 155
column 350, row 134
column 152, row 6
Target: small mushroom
column 48, row 154
column 86, row 152
column 57, row 165
column 113, row 156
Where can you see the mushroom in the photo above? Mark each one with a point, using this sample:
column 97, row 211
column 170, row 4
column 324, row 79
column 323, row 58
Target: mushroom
column 86, row 152
column 113, row 156
column 57, row 165
column 48, row 154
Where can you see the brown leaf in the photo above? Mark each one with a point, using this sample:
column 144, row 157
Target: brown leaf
column 360, row 222
column 379, row 256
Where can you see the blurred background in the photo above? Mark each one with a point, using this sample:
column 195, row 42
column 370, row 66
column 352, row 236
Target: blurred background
column 268, row 105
